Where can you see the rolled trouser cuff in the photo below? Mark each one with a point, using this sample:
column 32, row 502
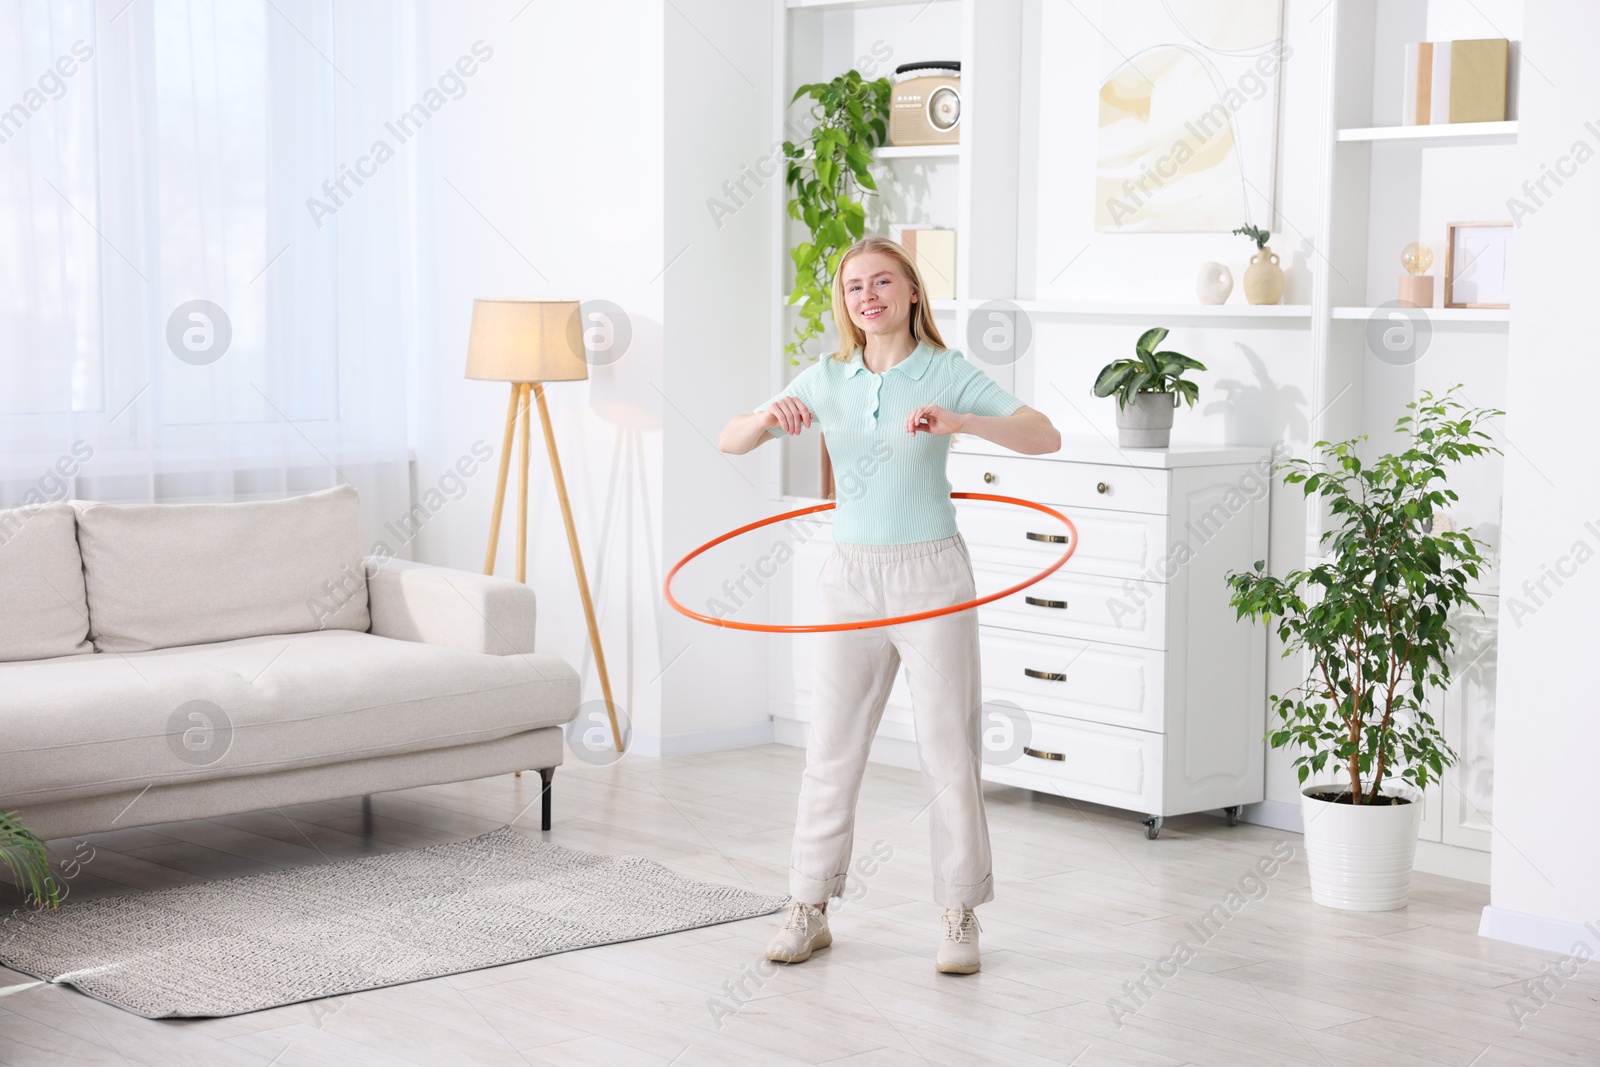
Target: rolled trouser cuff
column 815, row 890
column 963, row 896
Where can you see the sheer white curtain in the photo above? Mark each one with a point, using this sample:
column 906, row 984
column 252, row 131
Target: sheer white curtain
column 198, row 300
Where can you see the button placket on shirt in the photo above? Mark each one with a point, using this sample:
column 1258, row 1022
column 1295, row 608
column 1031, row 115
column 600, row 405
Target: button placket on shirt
column 872, row 410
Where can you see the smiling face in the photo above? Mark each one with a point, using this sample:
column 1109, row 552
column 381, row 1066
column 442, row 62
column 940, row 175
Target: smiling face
column 877, row 293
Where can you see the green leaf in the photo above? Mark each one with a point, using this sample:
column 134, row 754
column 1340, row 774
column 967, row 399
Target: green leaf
column 1149, row 339
column 1112, row 378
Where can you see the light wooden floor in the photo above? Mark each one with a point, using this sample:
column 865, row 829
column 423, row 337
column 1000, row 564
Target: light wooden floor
column 1083, row 905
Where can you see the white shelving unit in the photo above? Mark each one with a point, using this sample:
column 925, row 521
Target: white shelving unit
column 1379, row 185
column 970, row 186
column 1385, row 185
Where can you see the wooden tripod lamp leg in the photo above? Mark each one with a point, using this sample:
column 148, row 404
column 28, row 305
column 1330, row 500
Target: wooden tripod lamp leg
column 522, row 488
column 500, row 486
column 577, row 556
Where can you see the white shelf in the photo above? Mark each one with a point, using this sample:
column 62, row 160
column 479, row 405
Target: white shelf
column 799, row 5
column 1435, row 315
column 1140, row 309
column 1452, row 133
column 931, row 151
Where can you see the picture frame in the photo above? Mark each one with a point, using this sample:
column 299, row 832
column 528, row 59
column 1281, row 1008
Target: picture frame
column 1477, row 264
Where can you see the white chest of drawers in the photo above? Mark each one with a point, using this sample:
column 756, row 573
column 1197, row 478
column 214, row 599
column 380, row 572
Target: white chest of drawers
column 1136, row 684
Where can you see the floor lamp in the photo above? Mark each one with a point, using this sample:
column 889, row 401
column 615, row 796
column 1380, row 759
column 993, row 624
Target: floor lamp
column 528, row 343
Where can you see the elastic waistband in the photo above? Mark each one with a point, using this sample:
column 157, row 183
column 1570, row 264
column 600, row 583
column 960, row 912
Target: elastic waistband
column 888, row 553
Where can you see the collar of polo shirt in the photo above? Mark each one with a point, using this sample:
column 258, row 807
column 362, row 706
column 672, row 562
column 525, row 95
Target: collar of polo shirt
column 916, row 364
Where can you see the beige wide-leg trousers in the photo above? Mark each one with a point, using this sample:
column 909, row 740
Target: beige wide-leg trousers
column 853, row 671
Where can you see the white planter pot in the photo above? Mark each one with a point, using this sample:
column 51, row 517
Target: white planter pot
column 1147, row 422
column 1361, row 855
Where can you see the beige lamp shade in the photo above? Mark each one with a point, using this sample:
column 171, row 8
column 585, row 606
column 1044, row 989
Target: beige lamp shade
column 526, row 341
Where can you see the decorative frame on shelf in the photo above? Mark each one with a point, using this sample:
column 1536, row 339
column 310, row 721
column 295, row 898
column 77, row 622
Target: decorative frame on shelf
column 1494, row 258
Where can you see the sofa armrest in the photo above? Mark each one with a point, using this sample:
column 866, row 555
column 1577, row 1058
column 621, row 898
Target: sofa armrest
column 441, row 606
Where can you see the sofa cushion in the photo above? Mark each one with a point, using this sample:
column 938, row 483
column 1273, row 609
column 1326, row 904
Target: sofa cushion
column 161, row 575
column 90, row 725
column 43, row 610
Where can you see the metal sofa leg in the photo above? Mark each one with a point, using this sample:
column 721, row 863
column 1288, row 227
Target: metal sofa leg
column 546, row 775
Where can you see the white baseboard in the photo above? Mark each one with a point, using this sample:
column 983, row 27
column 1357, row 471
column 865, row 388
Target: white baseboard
column 1538, row 931
column 894, row 751
column 716, row 739
column 1452, row 861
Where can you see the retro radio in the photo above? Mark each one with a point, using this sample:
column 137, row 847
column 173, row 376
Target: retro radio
column 926, row 104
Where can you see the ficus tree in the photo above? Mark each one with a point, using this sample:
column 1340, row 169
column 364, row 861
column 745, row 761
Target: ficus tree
column 1371, row 617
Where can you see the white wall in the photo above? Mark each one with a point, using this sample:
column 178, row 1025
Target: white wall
column 1546, row 865
column 544, row 181
column 718, row 357
column 1257, row 386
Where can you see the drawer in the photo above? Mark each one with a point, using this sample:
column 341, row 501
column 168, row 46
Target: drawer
column 1101, row 764
column 1117, row 685
column 1117, row 544
column 1061, row 482
column 1087, row 606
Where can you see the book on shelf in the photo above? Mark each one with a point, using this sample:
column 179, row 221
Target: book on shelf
column 934, row 252
column 1456, row 81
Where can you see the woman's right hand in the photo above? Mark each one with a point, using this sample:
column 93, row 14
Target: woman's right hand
column 791, row 414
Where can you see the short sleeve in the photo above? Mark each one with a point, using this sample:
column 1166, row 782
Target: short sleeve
column 978, row 394
column 802, row 387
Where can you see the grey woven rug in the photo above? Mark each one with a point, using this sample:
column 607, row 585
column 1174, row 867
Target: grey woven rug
column 235, row 946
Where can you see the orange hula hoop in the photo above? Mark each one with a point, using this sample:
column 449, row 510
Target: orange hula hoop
column 1072, row 546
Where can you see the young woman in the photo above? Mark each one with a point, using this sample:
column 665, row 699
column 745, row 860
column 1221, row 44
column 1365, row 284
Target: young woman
column 888, row 401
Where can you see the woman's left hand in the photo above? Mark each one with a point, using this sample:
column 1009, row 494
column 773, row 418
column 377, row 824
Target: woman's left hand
column 931, row 418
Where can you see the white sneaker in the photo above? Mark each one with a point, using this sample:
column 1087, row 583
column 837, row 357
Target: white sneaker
column 805, row 930
column 958, row 952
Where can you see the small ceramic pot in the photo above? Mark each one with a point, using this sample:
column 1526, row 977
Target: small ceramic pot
column 1214, row 283
column 1147, row 422
column 1263, row 279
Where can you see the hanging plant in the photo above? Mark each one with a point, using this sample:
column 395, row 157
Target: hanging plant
column 828, row 178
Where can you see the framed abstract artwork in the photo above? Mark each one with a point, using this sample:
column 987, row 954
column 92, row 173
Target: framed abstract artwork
column 1188, row 115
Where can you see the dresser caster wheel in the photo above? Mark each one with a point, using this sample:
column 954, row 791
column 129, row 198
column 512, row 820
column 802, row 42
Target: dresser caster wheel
column 1152, row 827
column 1232, row 814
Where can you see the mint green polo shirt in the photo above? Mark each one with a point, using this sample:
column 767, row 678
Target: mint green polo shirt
column 890, row 486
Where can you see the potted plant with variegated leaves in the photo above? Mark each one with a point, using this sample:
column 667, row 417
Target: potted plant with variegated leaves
column 1148, row 386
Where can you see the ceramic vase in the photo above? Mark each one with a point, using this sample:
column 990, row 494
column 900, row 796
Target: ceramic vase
column 1214, row 283
column 1263, row 279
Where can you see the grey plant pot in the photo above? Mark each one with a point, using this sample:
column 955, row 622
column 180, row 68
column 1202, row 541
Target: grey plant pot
column 1147, row 422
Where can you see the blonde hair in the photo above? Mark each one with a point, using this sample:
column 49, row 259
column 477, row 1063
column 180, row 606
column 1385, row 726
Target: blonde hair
column 852, row 338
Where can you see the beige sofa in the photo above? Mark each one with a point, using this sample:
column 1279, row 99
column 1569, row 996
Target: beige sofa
column 167, row 662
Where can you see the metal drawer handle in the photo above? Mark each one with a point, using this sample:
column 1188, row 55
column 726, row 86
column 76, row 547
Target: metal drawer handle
column 988, row 477
column 1102, row 488
column 1041, row 602
column 1055, row 539
column 1039, row 753
column 1047, row 676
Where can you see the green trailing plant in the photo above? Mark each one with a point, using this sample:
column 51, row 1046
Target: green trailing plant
column 829, row 179
column 22, row 852
column 1256, row 234
column 1149, row 371
column 1372, row 617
